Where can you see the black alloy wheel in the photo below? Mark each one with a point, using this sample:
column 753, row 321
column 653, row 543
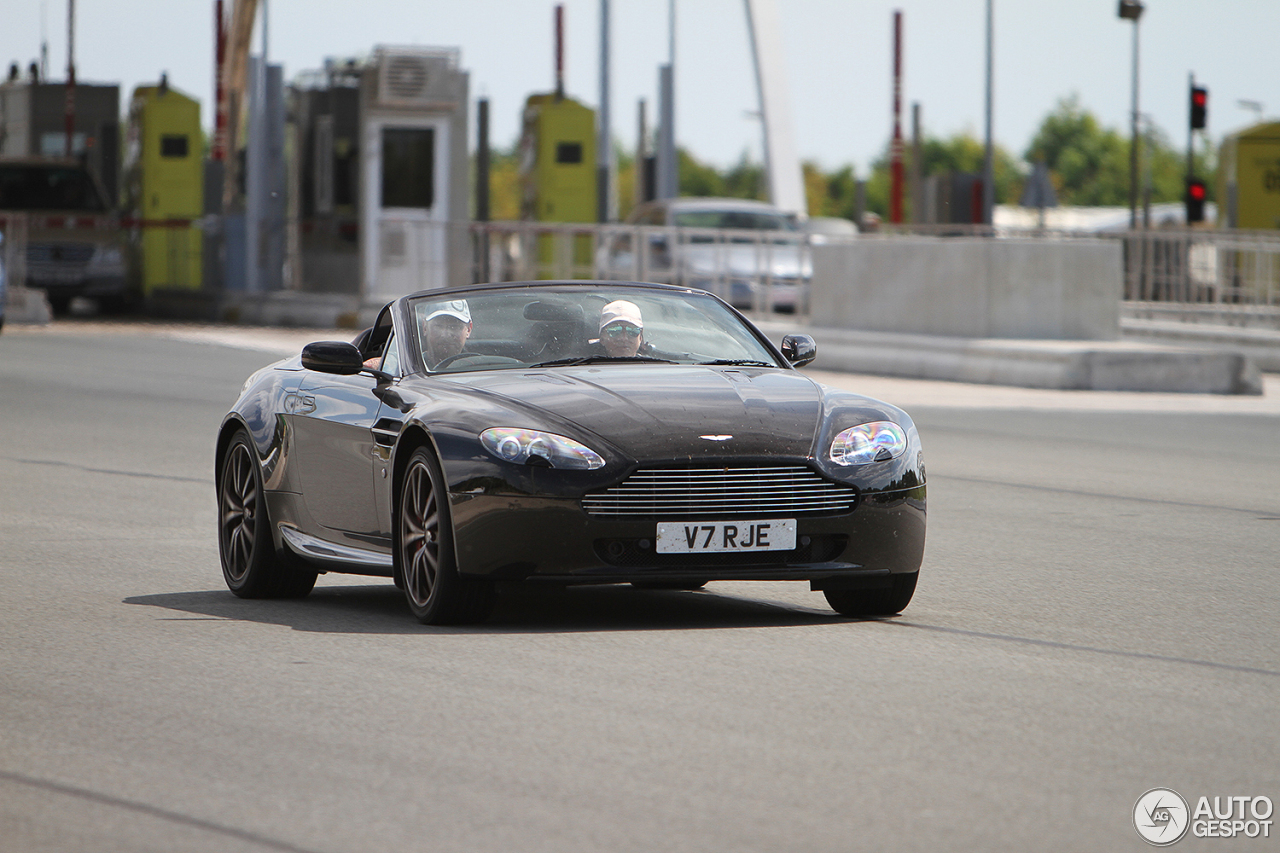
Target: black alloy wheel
column 436, row 592
column 874, row 602
column 250, row 565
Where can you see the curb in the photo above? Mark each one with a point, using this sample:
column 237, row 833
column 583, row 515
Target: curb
column 1049, row 364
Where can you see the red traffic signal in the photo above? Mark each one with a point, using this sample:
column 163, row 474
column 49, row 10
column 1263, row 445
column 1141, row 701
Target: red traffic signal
column 1199, row 106
column 1196, row 194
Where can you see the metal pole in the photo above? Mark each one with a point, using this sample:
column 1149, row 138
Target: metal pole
column 482, row 187
column 482, row 160
column 219, row 151
column 1133, row 148
column 1191, row 166
column 895, row 168
column 988, row 157
column 917, row 167
column 560, row 52
column 603, row 134
column 69, row 108
column 642, row 157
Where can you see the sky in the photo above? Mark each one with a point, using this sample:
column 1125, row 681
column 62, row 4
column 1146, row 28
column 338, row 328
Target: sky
column 837, row 60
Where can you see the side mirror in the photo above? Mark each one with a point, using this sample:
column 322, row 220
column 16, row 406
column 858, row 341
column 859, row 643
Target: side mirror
column 337, row 357
column 799, row 349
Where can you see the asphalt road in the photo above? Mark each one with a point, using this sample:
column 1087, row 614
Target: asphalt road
column 1096, row 617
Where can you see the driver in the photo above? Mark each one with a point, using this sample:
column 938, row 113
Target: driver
column 445, row 331
column 621, row 329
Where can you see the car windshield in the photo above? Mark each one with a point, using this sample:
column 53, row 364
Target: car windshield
column 565, row 325
column 757, row 220
column 41, row 187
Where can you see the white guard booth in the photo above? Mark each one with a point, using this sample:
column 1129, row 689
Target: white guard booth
column 413, row 169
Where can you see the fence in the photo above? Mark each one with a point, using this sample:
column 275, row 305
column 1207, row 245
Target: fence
column 1224, row 277
column 754, row 270
column 1219, row 277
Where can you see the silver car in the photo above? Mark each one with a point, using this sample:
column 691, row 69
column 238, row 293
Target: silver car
column 749, row 253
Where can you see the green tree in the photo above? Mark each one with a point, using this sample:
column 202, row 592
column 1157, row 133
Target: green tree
column 960, row 152
column 1090, row 164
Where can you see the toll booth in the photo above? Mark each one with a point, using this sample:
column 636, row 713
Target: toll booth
column 558, row 170
column 1249, row 178
column 33, row 124
column 558, row 160
column 383, row 169
column 326, row 107
column 164, row 187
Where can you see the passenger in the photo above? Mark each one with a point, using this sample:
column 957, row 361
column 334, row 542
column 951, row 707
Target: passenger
column 445, row 331
column 621, row 329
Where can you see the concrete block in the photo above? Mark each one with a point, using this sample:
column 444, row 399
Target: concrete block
column 1059, row 365
column 27, row 306
column 971, row 287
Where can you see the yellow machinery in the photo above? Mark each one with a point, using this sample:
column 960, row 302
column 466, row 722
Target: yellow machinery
column 558, row 177
column 165, row 186
column 1249, row 178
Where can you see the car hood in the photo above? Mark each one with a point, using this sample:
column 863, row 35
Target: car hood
column 656, row 411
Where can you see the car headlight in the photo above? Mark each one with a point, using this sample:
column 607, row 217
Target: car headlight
column 107, row 258
column 512, row 444
column 878, row 441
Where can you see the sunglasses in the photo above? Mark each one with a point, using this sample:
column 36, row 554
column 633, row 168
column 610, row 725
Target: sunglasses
column 621, row 330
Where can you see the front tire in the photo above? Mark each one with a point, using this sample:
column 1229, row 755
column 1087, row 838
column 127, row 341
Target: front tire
column 437, row 594
column 250, row 565
column 874, row 602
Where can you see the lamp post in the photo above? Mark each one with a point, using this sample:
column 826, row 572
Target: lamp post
column 1132, row 10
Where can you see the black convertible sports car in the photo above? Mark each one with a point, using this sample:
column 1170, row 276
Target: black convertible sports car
column 567, row 433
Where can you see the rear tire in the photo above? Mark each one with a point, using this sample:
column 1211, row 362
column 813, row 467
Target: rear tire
column 874, row 602
column 437, row 594
column 250, row 565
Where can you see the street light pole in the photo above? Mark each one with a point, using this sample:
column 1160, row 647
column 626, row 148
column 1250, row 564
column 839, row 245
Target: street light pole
column 1132, row 10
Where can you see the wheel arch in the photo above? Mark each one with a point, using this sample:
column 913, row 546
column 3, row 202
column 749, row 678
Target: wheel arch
column 415, row 435
column 230, row 425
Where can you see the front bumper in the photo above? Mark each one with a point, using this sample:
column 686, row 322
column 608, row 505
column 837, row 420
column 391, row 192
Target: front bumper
column 506, row 537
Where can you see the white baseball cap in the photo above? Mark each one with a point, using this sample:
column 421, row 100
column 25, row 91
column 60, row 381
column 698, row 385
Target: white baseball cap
column 620, row 310
column 453, row 308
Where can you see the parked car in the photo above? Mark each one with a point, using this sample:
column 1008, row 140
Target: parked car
column 565, row 433
column 750, row 253
column 74, row 244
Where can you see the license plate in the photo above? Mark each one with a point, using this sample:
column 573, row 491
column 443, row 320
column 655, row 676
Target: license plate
column 716, row 537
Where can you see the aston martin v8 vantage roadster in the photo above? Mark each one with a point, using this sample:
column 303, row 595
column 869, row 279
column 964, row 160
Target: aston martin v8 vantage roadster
column 565, row 433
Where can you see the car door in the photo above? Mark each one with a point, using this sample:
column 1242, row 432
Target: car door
column 334, row 447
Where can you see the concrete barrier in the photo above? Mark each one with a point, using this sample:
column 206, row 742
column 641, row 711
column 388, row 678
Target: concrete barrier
column 971, row 287
column 1059, row 365
column 27, row 306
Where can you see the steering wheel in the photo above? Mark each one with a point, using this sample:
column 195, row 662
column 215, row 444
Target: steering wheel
column 445, row 362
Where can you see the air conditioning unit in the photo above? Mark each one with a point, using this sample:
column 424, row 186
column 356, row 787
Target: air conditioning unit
column 417, row 77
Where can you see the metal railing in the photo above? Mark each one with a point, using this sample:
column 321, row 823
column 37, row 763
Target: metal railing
column 1199, row 275
column 754, row 270
column 1217, row 277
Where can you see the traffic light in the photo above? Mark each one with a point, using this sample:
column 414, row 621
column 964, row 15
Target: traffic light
column 1195, row 200
column 1199, row 106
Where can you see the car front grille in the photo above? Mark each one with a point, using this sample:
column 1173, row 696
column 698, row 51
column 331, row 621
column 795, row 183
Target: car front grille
column 52, row 253
column 717, row 492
